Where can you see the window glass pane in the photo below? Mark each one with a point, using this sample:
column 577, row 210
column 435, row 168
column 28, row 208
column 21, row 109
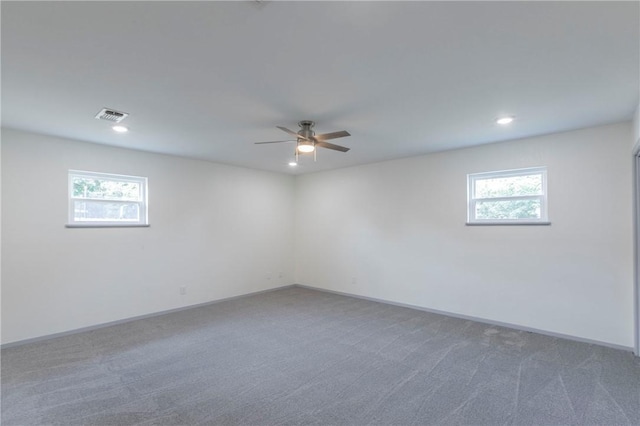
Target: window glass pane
column 85, row 187
column 508, row 209
column 105, row 211
column 508, row 186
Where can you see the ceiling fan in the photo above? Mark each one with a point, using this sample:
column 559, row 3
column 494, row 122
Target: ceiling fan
column 307, row 140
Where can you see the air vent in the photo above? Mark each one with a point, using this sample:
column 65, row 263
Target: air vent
column 111, row 115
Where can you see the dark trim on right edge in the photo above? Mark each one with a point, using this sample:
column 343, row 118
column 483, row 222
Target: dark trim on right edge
column 636, row 248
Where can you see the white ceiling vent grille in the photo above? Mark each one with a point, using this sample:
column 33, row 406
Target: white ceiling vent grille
column 111, row 115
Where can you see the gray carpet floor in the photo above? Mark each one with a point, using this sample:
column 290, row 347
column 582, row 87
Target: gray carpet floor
column 298, row 356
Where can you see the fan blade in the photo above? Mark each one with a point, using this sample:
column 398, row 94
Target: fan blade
column 291, row 132
column 332, row 146
column 258, row 143
column 333, row 135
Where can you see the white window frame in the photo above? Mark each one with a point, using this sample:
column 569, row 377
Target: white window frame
column 471, row 201
column 141, row 202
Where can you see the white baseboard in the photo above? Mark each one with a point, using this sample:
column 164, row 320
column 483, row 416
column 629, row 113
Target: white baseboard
column 138, row 317
column 372, row 299
column 477, row 319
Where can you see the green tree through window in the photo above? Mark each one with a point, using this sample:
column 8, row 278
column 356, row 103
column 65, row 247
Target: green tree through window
column 106, row 200
column 508, row 196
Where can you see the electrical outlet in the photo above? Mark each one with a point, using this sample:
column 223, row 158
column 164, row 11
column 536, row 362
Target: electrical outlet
column 183, row 290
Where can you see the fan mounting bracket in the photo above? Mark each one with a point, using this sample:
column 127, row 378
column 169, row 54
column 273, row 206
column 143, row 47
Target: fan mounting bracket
column 306, row 124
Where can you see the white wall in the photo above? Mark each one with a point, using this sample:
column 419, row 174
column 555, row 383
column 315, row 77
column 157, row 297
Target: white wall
column 217, row 229
column 396, row 227
column 396, row 231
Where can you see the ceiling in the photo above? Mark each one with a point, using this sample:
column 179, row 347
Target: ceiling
column 207, row 79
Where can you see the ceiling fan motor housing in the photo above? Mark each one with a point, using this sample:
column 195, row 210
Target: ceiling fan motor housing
column 305, row 128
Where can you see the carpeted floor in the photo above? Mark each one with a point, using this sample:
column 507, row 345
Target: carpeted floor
column 298, row 356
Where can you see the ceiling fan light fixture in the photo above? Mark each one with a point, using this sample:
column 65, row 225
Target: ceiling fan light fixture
column 305, row 146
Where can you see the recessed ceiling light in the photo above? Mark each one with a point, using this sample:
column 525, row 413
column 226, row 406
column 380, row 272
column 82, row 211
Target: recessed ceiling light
column 293, row 163
column 120, row 129
column 504, row 120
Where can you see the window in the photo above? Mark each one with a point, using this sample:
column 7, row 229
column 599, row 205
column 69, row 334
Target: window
column 508, row 197
column 101, row 199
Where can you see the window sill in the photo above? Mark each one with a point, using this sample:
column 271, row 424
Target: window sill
column 97, row 225
column 508, row 223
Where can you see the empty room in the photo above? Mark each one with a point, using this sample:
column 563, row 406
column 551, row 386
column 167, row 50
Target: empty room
column 328, row 213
